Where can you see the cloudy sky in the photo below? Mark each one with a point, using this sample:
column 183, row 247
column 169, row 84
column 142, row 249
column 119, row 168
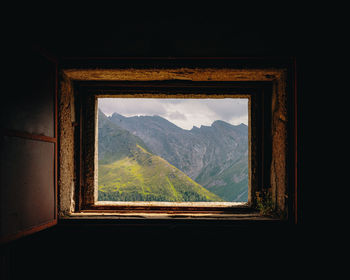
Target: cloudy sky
column 185, row 113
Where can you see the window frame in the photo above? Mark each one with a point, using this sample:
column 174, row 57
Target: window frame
column 279, row 71
column 86, row 95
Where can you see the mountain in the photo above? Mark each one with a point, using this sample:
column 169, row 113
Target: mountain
column 114, row 142
column 214, row 156
column 128, row 171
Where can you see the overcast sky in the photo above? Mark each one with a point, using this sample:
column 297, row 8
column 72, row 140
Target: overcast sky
column 185, row 113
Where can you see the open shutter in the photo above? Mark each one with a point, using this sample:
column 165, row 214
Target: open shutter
column 28, row 196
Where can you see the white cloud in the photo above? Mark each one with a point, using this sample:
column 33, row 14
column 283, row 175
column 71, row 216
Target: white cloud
column 185, row 113
column 177, row 116
column 131, row 106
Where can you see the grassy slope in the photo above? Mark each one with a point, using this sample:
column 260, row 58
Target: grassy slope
column 146, row 177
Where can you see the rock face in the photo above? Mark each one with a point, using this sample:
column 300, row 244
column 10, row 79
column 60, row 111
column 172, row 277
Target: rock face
column 214, row 156
column 114, row 142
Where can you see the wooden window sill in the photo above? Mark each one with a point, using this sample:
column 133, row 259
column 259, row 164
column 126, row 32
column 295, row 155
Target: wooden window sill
column 86, row 216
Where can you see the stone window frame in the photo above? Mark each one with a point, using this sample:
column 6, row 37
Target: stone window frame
column 281, row 189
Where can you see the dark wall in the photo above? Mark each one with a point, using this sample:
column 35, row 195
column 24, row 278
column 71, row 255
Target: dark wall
column 179, row 38
column 177, row 250
column 177, row 247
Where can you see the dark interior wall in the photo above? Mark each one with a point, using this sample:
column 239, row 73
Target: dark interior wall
column 182, row 38
column 52, row 248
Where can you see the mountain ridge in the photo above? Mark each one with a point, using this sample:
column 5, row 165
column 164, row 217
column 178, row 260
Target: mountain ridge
column 215, row 156
column 115, row 116
column 128, row 171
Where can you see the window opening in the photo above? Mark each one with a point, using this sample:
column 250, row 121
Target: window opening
column 172, row 149
column 270, row 93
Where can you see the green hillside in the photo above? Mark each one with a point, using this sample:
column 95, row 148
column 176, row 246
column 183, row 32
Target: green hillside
column 142, row 176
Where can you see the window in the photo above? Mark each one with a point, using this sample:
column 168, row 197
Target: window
column 264, row 91
column 92, row 189
column 173, row 149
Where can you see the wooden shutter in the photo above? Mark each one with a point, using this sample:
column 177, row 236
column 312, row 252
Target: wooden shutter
column 28, row 175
